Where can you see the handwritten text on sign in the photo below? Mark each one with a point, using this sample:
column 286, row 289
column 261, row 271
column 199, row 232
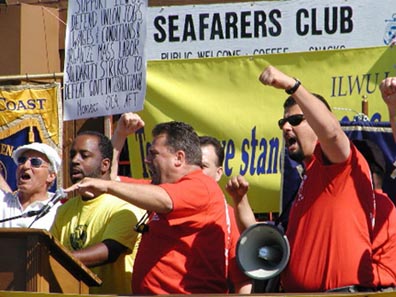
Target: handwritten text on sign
column 105, row 62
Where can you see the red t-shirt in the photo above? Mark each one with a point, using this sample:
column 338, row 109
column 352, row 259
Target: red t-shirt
column 235, row 274
column 127, row 179
column 184, row 251
column 384, row 241
column 330, row 226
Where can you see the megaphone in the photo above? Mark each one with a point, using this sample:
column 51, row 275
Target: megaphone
column 263, row 251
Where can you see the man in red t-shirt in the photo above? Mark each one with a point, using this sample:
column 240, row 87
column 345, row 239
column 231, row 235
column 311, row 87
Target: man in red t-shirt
column 331, row 221
column 212, row 159
column 384, row 237
column 184, row 249
column 212, row 163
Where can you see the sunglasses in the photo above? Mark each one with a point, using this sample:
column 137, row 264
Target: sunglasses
column 34, row 161
column 294, row 120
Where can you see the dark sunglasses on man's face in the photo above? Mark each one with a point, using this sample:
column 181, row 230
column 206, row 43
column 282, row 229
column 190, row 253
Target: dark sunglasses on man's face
column 34, row 161
column 294, row 120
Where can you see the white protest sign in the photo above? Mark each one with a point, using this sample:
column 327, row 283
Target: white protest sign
column 105, row 63
column 267, row 27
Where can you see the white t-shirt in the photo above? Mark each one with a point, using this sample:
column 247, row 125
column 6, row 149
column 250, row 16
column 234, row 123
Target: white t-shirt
column 11, row 208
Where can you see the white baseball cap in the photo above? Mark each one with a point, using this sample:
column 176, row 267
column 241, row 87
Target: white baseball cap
column 45, row 149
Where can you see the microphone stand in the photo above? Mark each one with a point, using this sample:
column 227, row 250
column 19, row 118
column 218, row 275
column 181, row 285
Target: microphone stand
column 58, row 195
column 37, row 213
column 24, row 215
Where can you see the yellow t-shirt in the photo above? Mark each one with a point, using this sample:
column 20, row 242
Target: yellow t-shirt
column 79, row 224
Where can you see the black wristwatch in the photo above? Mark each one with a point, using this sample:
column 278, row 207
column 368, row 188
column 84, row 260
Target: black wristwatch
column 294, row 88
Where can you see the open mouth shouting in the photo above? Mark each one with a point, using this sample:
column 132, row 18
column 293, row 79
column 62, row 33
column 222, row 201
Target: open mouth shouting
column 76, row 174
column 24, row 177
column 291, row 143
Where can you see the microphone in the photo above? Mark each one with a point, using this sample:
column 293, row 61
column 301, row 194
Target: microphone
column 59, row 194
column 24, row 215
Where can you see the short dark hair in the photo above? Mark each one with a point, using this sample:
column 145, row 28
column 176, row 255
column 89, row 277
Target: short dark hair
column 181, row 136
column 290, row 101
column 104, row 144
column 219, row 149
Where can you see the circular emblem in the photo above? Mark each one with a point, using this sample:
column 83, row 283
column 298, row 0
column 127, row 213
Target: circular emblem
column 78, row 237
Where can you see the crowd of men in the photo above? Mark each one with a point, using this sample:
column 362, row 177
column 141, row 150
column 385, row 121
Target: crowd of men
column 176, row 233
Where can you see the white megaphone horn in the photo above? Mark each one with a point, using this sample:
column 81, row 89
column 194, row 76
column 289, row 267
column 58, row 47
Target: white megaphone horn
column 263, row 251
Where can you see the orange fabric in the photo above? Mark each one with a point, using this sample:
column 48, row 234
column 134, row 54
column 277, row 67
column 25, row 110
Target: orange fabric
column 330, row 227
column 127, row 179
column 184, row 251
column 235, row 274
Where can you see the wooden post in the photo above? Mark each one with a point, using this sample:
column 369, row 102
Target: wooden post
column 108, row 126
column 365, row 105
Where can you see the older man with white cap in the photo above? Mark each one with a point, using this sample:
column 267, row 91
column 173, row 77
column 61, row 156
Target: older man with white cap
column 38, row 164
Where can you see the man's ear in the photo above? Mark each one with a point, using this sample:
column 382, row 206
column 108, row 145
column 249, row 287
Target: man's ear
column 219, row 173
column 51, row 177
column 106, row 163
column 180, row 158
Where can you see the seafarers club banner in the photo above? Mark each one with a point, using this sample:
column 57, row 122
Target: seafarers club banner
column 28, row 113
column 223, row 97
column 267, row 27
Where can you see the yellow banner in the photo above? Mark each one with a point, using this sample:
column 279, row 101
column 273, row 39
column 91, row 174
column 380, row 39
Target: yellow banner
column 222, row 97
column 28, row 113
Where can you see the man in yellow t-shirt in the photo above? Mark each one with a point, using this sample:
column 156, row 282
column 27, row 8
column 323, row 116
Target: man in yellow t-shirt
column 98, row 230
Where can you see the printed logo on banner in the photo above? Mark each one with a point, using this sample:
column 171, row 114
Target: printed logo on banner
column 390, row 30
column 29, row 113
